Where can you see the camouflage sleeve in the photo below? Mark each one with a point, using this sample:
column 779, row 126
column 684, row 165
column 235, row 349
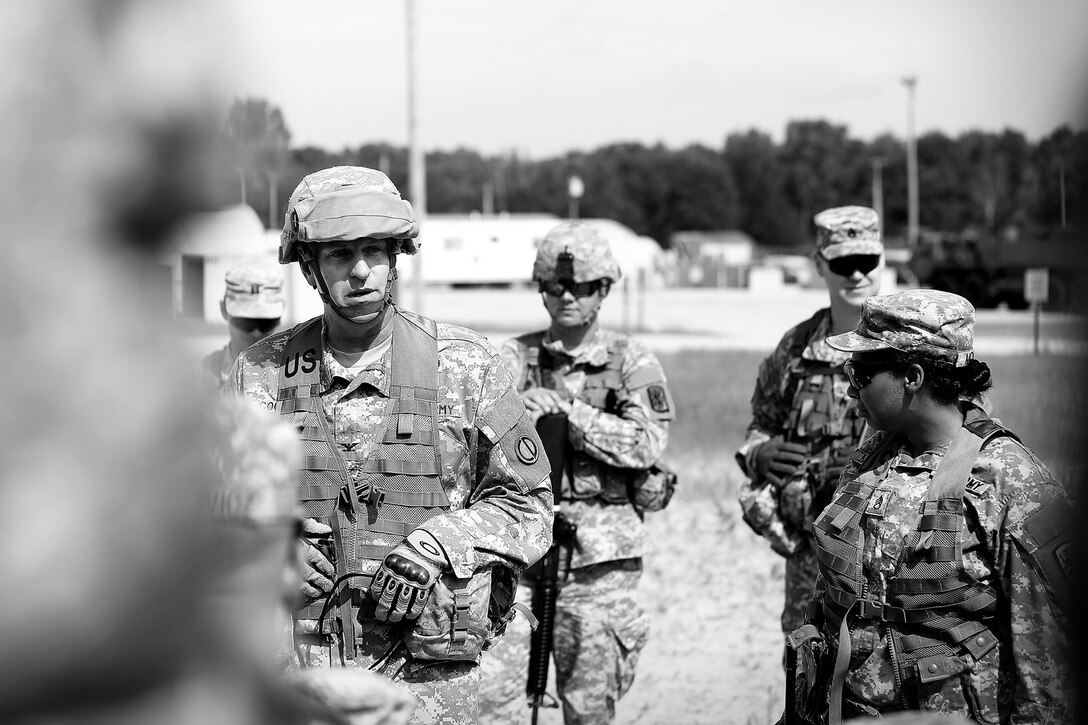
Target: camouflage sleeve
column 636, row 434
column 508, row 519
column 514, row 356
column 769, row 407
column 1033, row 557
column 253, row 375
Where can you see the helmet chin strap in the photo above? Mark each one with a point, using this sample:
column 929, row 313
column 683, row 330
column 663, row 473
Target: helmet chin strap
column 308, row 262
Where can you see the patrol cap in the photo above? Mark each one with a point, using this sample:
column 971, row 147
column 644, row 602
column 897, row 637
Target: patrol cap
column 255, row 290
column 847, row 230
column 932, row 322
column 592, row 256
column 347, row 202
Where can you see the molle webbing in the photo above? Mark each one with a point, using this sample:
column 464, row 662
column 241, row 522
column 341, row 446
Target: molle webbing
column 400, row 487
column 600, row 390
column 933, row 608
column 599, row 381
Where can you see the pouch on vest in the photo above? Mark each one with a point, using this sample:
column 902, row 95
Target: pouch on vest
column 454, row 624
column 652, row 489
column 806, row 648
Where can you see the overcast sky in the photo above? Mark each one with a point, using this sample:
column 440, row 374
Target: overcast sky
column 546, row 76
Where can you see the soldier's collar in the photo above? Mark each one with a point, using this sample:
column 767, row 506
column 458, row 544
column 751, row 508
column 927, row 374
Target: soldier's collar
column 817, row 348
column 593, row 351
column 376, row 374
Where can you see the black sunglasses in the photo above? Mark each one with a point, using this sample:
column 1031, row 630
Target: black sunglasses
column 861, row 374
column 253, row 324
column 846, row 266
column 578, row 289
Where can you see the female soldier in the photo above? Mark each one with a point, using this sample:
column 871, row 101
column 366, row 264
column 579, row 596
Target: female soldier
column 944, row 554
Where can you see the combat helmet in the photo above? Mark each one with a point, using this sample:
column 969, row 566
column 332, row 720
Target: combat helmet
column 575, row 251
column 343, row 203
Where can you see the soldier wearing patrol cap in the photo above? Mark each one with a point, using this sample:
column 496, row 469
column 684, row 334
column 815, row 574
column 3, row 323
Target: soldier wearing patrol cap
column 613, row 395
column 252, row 305
column 804, row 425
column 422, row 481
column 944, row 553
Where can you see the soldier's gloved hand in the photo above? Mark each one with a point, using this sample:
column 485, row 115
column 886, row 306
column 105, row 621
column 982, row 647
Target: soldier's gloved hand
column 776, row 460
column 406, row 576
column 316, row 569
column 544, row 401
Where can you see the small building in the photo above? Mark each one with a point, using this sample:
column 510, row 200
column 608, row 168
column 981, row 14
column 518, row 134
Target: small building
column 713, row 258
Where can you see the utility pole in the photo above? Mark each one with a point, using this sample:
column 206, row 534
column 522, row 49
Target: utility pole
column 878, row 191
column 912, row 167
column 417, row 171
column 273, row 206
column 1061, row 186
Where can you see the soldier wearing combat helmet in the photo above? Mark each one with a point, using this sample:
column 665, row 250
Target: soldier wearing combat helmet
column 945, row 553
column 422, row 483
column 611, row 394
column 804, row 426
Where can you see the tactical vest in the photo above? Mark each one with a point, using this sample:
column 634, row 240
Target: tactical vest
column 588, row 477
column 933, row 609
column 816, row 418
column 401, row 486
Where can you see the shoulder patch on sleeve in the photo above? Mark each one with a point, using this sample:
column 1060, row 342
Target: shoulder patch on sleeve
column 1047, row 536
column 527, row 450
column 659, row 398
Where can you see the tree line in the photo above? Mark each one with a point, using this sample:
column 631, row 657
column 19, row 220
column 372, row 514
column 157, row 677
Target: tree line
column 981, row 181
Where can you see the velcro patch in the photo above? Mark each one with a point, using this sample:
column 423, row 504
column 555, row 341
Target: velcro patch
column 659, row 399
column 878, row 504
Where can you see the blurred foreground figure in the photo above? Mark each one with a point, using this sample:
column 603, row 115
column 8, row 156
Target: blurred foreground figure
column 252, row 305
column 945, row 555
column 804, row 426
column 423, row 477
column 107, row 558
column 602, row 402
column 255, row 518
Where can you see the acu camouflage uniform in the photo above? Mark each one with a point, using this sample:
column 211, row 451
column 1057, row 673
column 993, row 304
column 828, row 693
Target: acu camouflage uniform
column 944, row 576
column 800, row 393
column 600, row 625
column 498, row 517
column 998, row 653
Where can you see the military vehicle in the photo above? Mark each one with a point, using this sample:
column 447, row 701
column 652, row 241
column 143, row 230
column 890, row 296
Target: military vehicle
column 989, row 271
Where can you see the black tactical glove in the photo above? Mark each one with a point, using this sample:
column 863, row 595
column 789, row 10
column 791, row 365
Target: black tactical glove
column 404, row 581
column 776, row 460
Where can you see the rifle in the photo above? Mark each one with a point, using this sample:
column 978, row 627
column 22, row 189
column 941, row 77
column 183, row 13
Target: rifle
column 553, row 434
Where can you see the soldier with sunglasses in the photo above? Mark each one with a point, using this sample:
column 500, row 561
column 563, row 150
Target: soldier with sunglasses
column 252, row 305
column 804, row 426
column 612, row 393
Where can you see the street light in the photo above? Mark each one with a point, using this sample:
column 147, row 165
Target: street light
column 912, row 167
column 575, row 189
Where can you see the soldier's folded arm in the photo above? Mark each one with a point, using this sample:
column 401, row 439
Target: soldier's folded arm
column 508, row 517
column 635, row 435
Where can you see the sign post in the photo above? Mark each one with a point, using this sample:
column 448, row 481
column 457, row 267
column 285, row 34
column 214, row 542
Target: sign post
column 1036, row 286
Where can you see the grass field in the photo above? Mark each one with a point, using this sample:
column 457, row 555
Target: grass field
column 1041, row 398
